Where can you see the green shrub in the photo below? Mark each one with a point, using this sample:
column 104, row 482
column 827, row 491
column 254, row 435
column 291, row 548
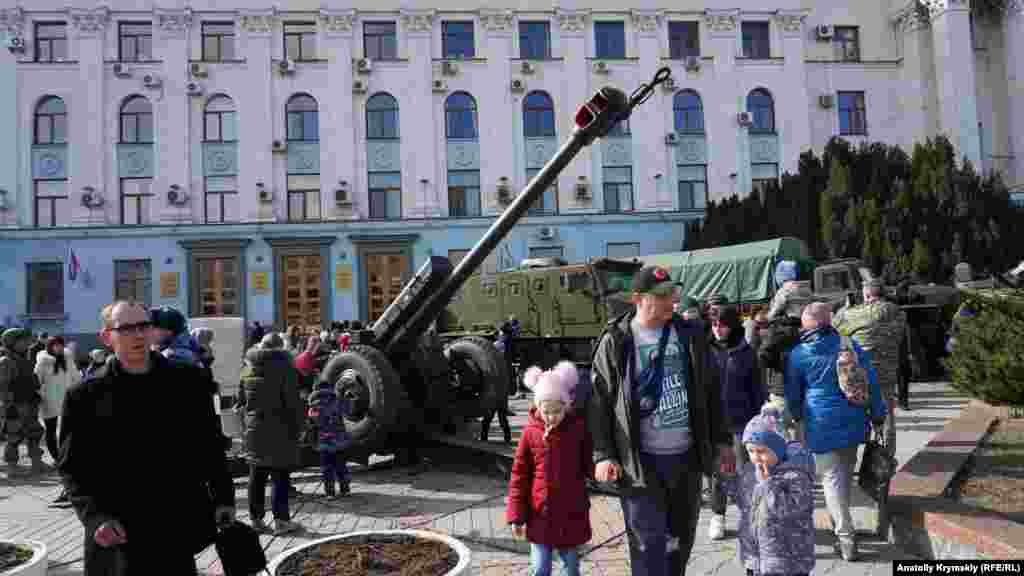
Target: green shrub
column 987, row 361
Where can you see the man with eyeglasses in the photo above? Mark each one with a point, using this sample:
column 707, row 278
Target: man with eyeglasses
column 140, row 396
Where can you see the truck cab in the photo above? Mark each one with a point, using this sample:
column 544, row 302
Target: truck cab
column 839, row 281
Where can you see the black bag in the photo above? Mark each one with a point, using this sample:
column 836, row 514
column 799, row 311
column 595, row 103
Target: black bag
column 239, row 549
column 783, row 335
column 877, row 467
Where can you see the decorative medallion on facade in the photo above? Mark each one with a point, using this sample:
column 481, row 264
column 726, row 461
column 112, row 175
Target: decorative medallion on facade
column 12, row 21
column 719, row 21
column 497, row 22
column 337, row 23
column 572, row 22
column 463, row 155
column 617, row 152
column 135, row 160
column 173, row 22
column 764, row 148
column 89, row 22
column 418, row 22
column 692, row 149
column 303, row 157
column 539, row 151
column 383, row 156
column 646, row 22
column 258, row 22
column 791, row 23
column 49, row 162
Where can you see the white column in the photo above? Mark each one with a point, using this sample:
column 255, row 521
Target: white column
column 426, row 163
column 795, row 133
column 577, row 89
column 728, row 146
column 338, row 117
column 256, row 116
column 88, row 148
column 16, row 199
column 954, row 71
column 649, row 149
column 498, row 135
column 912, row 33
column 1013, row 39
column 174, row 129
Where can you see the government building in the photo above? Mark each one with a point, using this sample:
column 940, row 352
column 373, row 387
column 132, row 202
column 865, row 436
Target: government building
column 295, row 163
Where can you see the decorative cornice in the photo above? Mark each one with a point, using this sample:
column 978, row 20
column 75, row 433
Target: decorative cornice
column 257, row 22
column 337, row 22
column 646, row 21
column 721, row 21
column 913, row 16
column 497, row 21
column 87, row 22
column 791, row 22
column 572, row 22
column 172, row 22
column 418, row 21
column 12, row 21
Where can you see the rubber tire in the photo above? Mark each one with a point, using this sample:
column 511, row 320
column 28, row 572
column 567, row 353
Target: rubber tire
column 489, row 364
column 387, row 398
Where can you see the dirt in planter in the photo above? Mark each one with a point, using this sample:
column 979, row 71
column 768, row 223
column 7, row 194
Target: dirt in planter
column 13, row 555
column 996, row 478
column 373, row 555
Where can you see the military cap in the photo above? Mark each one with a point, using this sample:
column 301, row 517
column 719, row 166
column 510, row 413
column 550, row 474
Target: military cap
column 12, row 335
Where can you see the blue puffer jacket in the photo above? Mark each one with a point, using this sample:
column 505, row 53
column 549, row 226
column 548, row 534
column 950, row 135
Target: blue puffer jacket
column 813, row 394
column 743, row 392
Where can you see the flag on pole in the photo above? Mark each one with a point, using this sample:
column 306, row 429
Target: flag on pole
column 73, row 265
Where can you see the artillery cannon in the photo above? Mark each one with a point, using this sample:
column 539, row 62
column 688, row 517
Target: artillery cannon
column 402, row 383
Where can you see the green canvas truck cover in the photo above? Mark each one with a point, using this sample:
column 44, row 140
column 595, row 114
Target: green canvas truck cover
column 742, row 272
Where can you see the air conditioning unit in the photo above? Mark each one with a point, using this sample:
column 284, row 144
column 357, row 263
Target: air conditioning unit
column 504, row 190
column 449, row 68
column 286, row 66
column 825, row 100
column 546, row 233
column 16, row 44
column 518, row 85
column 744, row 119
column 671, row 138
column 176, row 195
column 582, row 188
column 526, row 67
column 364, row 65
column 263, row 193
column 91, row 198
column 439, row 85
column 341, row 197
column 359, row 87
column 693, row 63
column 121, row 70
column 194, row 89
column 601, row 67
column 198, row 69
column 278, row 146
column 669, row 85
column 152, row 81
column 825, row 32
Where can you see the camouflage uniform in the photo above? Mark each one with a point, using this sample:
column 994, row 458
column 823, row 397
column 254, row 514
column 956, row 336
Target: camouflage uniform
column 878, row 327
column 789, row 300
column 19, row 402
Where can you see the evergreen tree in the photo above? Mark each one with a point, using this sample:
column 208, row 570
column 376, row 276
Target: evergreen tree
column 987, row 361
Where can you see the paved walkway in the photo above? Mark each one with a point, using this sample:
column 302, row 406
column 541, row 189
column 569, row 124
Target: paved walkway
column 455, row 498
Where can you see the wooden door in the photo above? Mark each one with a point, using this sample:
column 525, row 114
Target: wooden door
column 302, row 294
column 385, row 276
column 219, row 287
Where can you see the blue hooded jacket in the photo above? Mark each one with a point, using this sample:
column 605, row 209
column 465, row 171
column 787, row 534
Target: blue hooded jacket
column 813, row 395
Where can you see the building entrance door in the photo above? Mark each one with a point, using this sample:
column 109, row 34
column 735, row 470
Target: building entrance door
column 219, row 283
column 302, row 295
column 385, row 276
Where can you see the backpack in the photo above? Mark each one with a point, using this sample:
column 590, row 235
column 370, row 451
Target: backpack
column 853, row 378
column 783, row 335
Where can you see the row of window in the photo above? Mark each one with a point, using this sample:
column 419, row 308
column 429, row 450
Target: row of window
column 380, row 40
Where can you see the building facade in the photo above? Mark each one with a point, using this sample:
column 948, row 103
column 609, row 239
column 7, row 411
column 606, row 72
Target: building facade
column 297, row 165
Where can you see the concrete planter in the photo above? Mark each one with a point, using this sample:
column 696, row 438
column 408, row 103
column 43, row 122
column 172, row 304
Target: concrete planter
column 36, row 566
column 460, row 549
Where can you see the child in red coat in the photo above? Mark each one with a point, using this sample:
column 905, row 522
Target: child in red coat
column 547, row 495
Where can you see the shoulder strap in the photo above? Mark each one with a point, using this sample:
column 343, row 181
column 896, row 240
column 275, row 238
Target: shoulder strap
column 844, row 343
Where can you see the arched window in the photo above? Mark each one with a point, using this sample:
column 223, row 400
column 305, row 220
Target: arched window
column 460, row 116
column 51, row 121
column 382, row 117
column 538, row 115
column 688, row 112
column 136, row 121
column 303, row 119
column 762, row 110
column 219, row 122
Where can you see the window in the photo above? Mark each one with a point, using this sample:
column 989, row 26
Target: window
column 618, row 189
column 460, row 116
column 51, row 42
column 133, row 281
column 683, row 40
column 853, row 119
column 219, row 124
column 538, row 115
column 756, row 40
column 51, row 122
column 693, row 186
column 762, row 177
column 623, row 249
column 547, row 203
column 762, row 111
column 221, row 199
column 834, row 281
column 380, row 40
column 218, row 41
column 303, row 123
column 46, row 288
column 51, row 208
column 534, row 40
column 300, row 41
column 621, row 128
column 547, row 252
column 136, row 121
column 303, row 197
column 463, row 193
column 219, row 282
column 136, row 195
column 135, row 41
column 382, row 117
column 688, row 112
column 457, row 40
column 385, row 191
column 610, row 40
column 1017, row 199
column 846, row 41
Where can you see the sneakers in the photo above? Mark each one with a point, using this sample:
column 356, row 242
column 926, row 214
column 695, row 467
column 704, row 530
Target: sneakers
column 285, row 527
column 848, row 549
column 716, row 530
column 259, row 525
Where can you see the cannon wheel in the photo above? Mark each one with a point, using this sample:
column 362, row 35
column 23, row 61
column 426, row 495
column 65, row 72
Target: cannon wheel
column 364, row 375
column 475, row 358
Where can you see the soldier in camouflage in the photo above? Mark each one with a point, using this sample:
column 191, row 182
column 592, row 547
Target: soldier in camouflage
column 792, row 296
column 19, row 401
column 878, row 325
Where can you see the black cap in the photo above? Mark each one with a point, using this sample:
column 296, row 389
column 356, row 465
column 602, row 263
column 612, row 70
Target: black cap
column 654, row 280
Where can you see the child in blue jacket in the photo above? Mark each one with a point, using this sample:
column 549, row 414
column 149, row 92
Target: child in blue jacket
column 328, row 409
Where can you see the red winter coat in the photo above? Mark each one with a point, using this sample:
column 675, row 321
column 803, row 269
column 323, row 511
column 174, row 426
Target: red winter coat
column 547, row 490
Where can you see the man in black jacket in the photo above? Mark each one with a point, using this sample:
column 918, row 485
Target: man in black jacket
column 655, row 416
column 149, row 514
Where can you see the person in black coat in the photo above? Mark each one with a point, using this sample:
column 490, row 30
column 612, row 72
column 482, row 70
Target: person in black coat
column 136, row 511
